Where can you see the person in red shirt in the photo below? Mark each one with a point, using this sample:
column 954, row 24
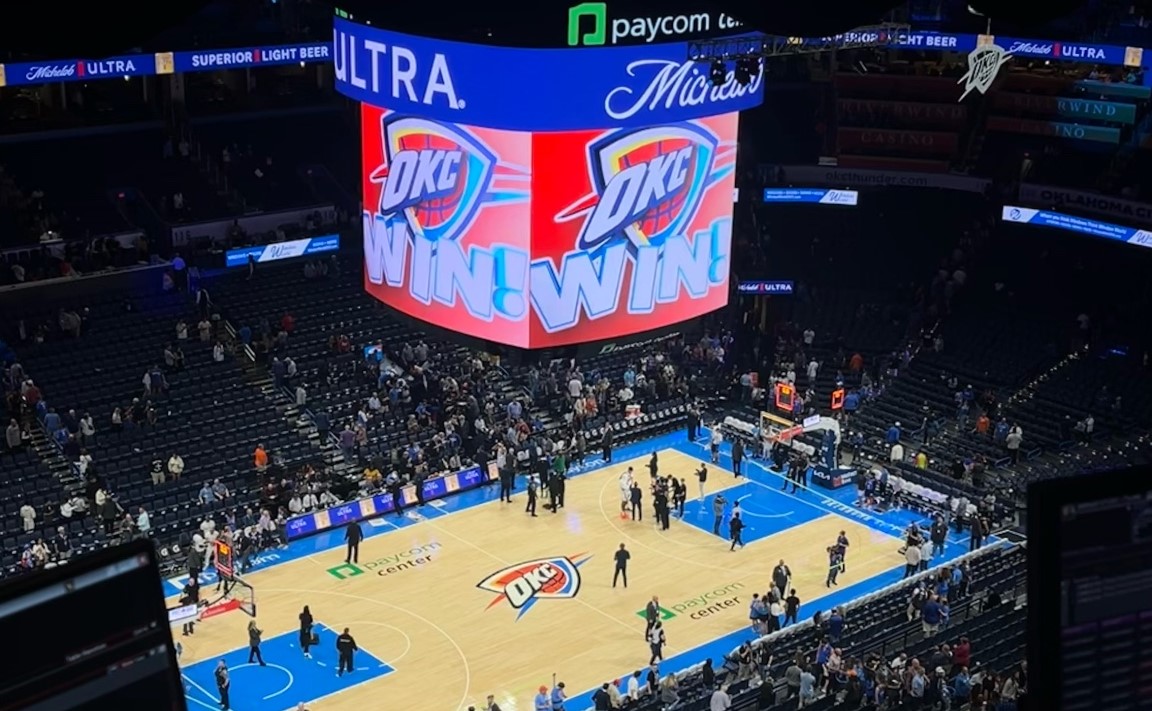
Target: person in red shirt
column 856, row 363
column 288, row 323
column 961, row 655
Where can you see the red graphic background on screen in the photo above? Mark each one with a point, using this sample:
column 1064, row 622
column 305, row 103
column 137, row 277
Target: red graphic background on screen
column 538, row 240
column 446, row 233
column 676, row 249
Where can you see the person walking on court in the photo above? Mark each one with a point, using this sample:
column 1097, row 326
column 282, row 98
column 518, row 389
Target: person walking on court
column 191, row 596
column 718, row 513
column 653, row 466
column 651, row 614
column 737, row 455
column 656, row 642
column 353, row 535
column 636, row 495
column 842, row 549
column 835, row 560
column 345, row 649
column 254, row 636
column 306, row 632
column 701, row 478
column 735, row 528
column 531, row 507
column 781, row 577
column 223, row 684
column 622, row 556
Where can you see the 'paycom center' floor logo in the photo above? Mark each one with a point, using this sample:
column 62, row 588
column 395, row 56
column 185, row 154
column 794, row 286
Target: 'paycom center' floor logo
column 522, row 585
column 648, row 184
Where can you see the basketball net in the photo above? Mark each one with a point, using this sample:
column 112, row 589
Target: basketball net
column 983, row 65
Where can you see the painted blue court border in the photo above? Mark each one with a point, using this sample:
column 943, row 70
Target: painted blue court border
column 288, row 679
column 838, row 502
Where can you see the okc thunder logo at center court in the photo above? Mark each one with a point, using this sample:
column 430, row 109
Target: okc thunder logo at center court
column 648, row 183
column 437, row 177
column 521, row 586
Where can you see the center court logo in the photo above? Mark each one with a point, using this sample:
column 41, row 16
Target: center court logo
column 590, row 26
column 522, row 585
column 701, row 606
column 396, row 563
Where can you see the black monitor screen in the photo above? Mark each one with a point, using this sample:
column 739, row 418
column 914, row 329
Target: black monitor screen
column 92, row 634
column 1091, row 582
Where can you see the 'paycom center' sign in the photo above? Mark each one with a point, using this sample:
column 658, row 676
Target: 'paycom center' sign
column 590, row 25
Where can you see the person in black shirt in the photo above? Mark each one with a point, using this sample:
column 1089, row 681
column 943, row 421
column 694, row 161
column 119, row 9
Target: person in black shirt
column 223, row 684
column 602, row 700
column 353, row 535
column 531, row 507
column 255, row 634
column 635, row 495
column 190, row 596
column 653, row 466
column 345, row 648
column 622, row 557
column 737, row 455
column 306, row 631
column 735, row 527
column 791, row 607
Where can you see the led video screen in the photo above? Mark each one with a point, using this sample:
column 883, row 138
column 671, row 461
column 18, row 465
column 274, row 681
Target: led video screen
column 540, row 239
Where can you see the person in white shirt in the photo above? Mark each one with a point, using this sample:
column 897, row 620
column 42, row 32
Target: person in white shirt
column 809, row 336
column 717, row 438
column 28, row 516
column 175, row 466
column 310, row 502
column 181, row 331
column 626, row 480
column 897, row 453
column 720, row 700
column 575, row 387
column 143, row 522
column 205, row 329
column 327, row 498
column 218, row 352
column 295, row 505
column 83, row 462
column 301, row 395
column 925, row 553
column 87, row 428
column 813, row 369
column 634, row 687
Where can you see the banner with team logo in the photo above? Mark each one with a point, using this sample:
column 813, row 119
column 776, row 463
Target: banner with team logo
column 1082, row 201
column 549, row 238
column 532, row 89
column 927, row 143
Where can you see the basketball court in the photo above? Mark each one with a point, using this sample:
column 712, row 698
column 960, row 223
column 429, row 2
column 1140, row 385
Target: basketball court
column 472, row 596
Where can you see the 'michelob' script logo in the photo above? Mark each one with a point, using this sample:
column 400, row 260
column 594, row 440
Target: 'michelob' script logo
column 522, row 585
column 435, row 180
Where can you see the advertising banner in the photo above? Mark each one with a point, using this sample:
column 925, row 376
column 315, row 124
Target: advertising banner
column 909, row 113
column 811, row 196
column 282, row 250
column 1055, row 85
column 916, row 165
column 1066, row 107
column 1095, row 203
column 909, row 142
column 550, row 238
column 1070, row 51
column 862, row 178
column 531, row 89
column 1057, row 129
column 764, row 288
column 139, row 65
column 1081, row 225
column 380, row 504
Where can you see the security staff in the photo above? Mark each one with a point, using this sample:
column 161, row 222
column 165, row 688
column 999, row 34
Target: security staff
column 622, row 557
column 653, row 466
column 353, row 534
column 345, row 648
column 223, row 684
column 636, row 494
column 190, row 596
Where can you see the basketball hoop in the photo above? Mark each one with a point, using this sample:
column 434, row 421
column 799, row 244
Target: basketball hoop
column 983, row 65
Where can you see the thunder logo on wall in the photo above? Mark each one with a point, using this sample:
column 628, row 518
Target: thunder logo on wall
column 551, row 238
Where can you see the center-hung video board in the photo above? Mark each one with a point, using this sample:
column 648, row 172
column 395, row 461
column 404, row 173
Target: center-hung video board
column 541, row 198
